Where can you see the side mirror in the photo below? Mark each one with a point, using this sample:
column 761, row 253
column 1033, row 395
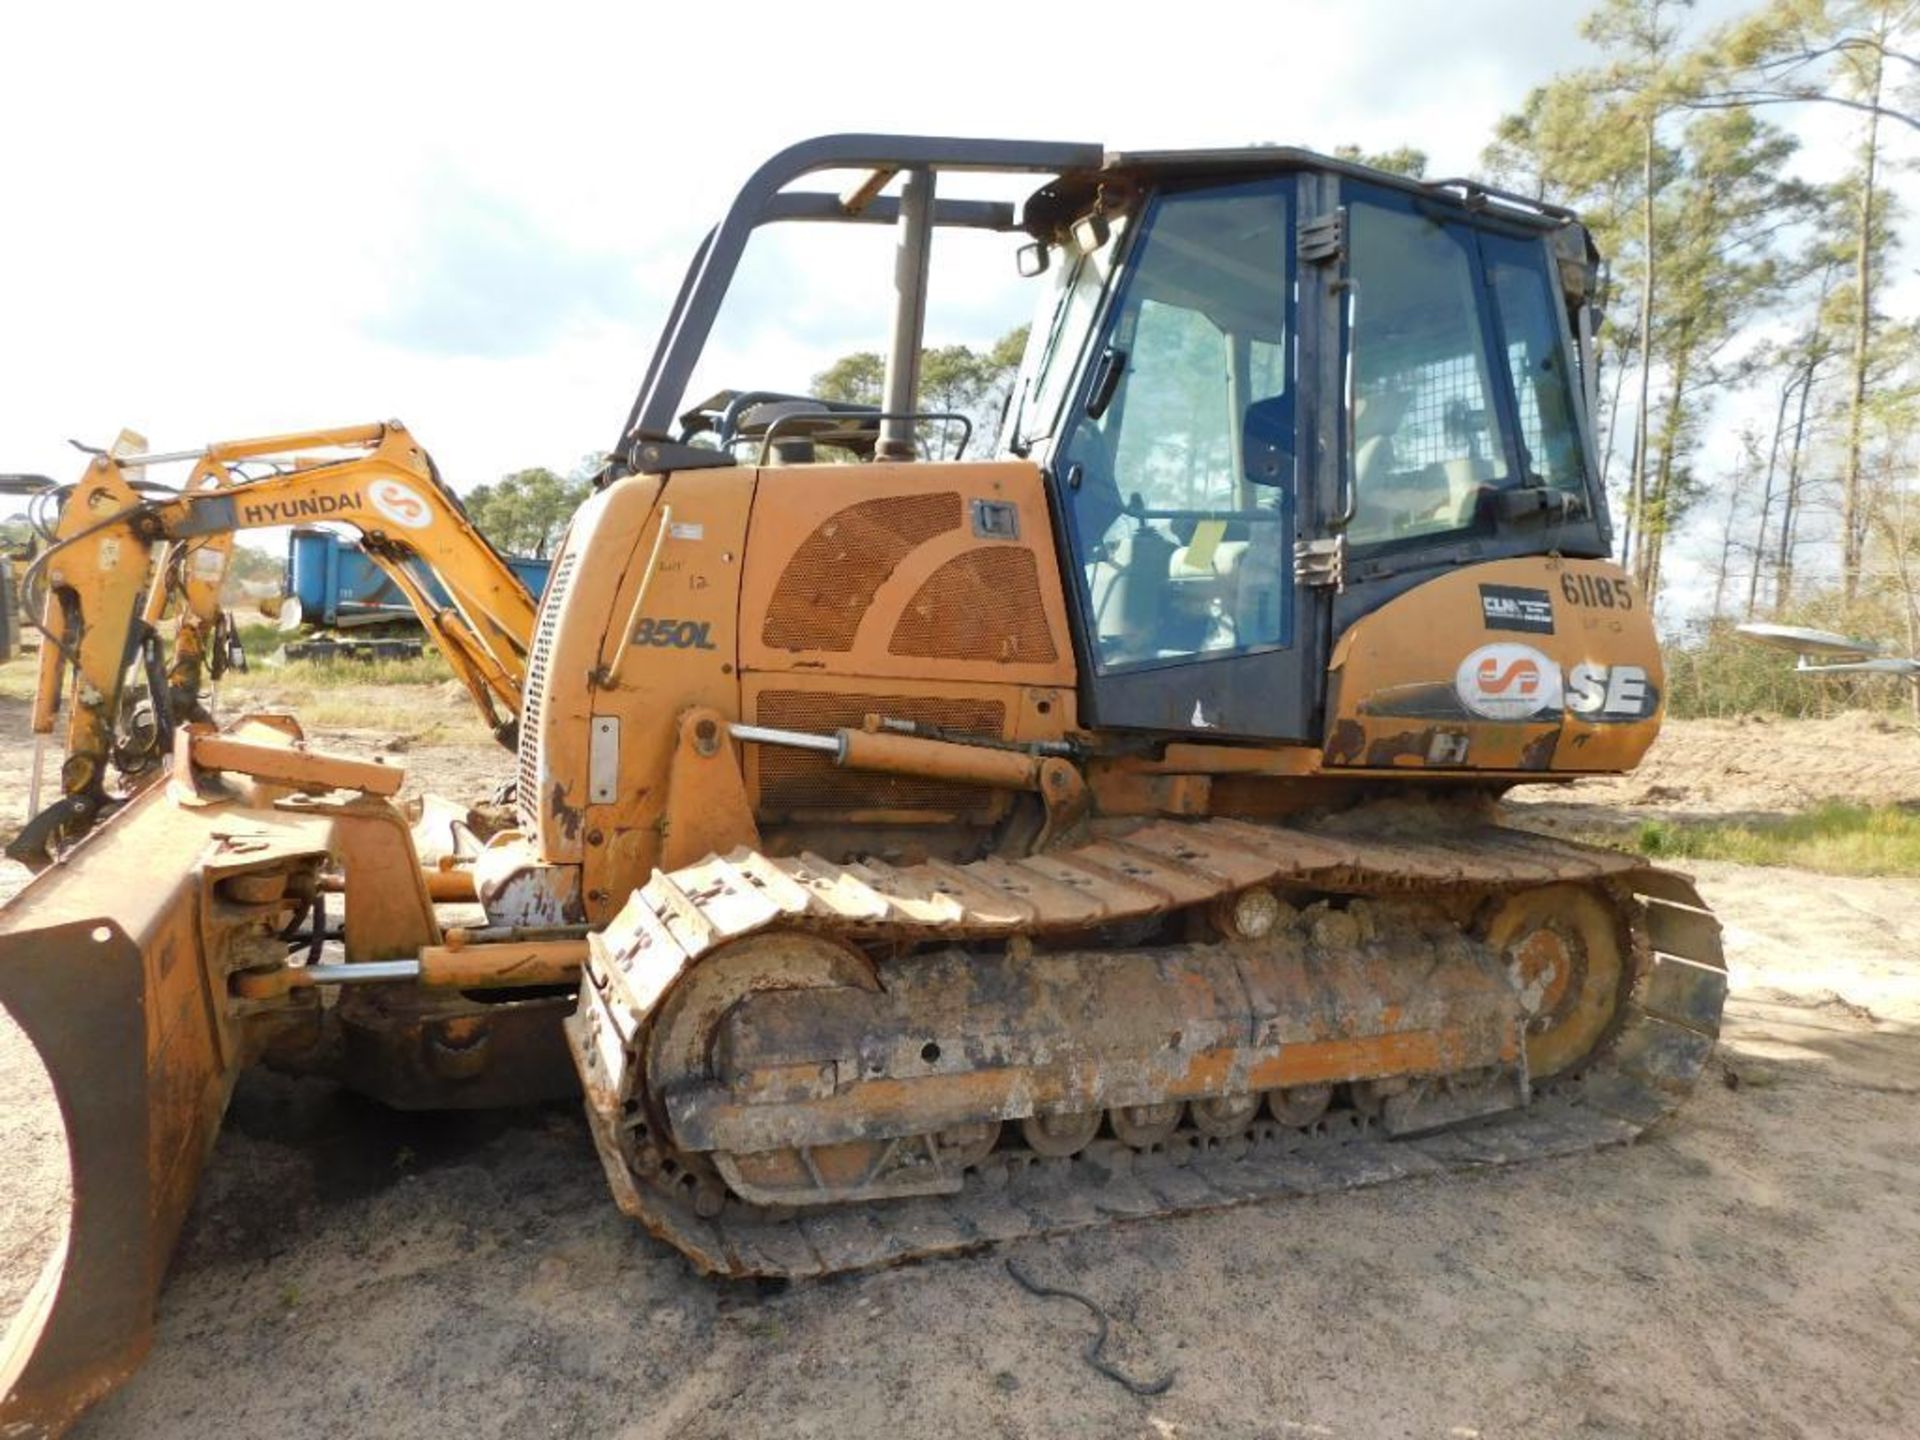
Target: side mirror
column 1091, row 231
column 1032, row 259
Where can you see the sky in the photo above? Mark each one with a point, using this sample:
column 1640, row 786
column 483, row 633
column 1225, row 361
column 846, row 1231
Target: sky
column 235, row 220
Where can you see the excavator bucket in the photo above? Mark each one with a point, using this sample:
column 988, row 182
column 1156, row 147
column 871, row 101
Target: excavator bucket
column 115, row 964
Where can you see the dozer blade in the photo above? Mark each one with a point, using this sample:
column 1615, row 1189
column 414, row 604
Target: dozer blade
column 114, row 963
column 79, row 991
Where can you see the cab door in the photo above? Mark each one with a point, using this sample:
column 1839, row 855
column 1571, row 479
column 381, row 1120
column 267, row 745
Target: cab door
column 1178, row 481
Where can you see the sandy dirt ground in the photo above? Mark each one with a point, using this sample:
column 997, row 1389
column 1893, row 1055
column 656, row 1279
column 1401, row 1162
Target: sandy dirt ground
column 1751, row 1268
column 1745, row 769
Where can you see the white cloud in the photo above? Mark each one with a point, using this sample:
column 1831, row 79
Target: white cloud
column 481, row 276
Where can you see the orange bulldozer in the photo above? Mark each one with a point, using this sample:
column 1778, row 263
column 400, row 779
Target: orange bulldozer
column 913, row 855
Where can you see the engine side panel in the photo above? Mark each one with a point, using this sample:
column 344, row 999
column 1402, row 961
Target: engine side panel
column 803, row 598
column 927, row 593
column 905, row 571
column 591, row 563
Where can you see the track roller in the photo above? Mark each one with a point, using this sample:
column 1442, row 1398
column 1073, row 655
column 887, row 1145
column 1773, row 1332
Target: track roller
column 1144, row 1126
column 1222, row 1116
column 1300, row 1105
column 1059, row 1135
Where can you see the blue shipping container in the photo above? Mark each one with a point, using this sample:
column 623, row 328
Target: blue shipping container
column 335, row 583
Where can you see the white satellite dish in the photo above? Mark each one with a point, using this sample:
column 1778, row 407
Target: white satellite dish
column 1837, row 654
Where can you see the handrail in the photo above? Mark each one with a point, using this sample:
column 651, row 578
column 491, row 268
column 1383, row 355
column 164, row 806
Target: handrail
column 907, row 416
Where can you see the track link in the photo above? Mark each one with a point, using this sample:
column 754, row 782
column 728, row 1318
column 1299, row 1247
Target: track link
column 1661, row 1041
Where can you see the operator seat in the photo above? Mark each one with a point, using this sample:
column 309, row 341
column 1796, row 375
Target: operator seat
column 1376, row 420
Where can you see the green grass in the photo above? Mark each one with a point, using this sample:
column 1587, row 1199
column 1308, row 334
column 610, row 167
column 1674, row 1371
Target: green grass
column 412, row 699
column 1834, row 838
column 415, row 699
column 18, row 677
column 262, row 637
column 429, row 669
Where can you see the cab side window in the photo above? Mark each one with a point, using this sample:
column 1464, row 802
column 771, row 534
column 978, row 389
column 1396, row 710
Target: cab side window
column 1539, row 361
column 1180, row 463
column 1427, row 442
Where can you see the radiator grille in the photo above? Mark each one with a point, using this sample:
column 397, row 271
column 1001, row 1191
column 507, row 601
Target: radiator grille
column 983, row 605
column 800, row 780
column 533, row 697
column 831, row 579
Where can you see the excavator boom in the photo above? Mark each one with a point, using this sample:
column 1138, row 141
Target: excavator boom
column 100, row 611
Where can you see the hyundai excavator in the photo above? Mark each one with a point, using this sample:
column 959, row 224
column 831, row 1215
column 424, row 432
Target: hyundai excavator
column 918, row 855
column 120, row 555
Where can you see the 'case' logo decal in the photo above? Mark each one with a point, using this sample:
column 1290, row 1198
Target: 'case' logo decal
column 1507, row 682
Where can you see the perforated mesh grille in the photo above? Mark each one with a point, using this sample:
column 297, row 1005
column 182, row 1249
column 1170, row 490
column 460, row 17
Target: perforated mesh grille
column 801, row 780
column 533, row 697
column 1447, row 414
column 983, row 605
column 831, row 579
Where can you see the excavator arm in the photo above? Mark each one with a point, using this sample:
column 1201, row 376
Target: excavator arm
column 101, row 612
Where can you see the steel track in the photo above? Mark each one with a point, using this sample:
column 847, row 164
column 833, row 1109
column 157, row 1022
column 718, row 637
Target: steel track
column 1667, row 1027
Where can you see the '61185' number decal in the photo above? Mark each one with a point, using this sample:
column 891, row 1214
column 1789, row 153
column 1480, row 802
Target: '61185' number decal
column 1596, row 592
column 674, row 634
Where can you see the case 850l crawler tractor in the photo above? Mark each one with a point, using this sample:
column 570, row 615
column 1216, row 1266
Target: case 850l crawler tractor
column 915, row 855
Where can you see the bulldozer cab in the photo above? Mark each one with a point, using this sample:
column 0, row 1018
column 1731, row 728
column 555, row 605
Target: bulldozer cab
column 1266, row 413
column 1269, row 390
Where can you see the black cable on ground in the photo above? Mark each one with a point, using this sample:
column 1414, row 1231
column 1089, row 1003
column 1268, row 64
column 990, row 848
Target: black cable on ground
column 1094, row 1346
